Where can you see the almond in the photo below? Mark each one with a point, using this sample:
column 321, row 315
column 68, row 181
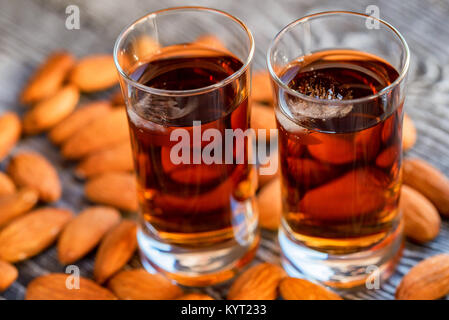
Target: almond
column 10, row 129
column 51, row 111
column 409, row 133
column 262, row 117
column 114, row 189
column 58, row 286
column 421, row 219
column 8, row 274
column 6, row 185
column 357, row 192
column 84, row 232
column 117, row 99
column 94, row 73
column 195, row 296
column 30, row 169
column 428, row 280
column 300, row 289
column 27, row 236
column 257, row 283
column 100, row 134
column 270, row 205
column 428, row 180
column 48, row 78
column 261, row 89
column 77, row 120
column 117, row 158
column 138, row 284
column 115, row 250
column 144, row 46
column 16, row 204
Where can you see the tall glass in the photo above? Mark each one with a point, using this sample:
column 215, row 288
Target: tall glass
column 339, row 80
column 185, row 76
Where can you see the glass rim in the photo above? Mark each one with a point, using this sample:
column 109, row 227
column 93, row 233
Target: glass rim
column 201, row 90
column 293, row 24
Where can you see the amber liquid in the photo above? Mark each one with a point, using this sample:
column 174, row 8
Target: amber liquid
column 188, row 204
column 340, row 164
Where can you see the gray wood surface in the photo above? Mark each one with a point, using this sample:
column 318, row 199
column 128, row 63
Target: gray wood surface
column 29, row 30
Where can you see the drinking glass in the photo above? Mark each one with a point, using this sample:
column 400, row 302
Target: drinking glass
column 185, row 76
column 339, row 80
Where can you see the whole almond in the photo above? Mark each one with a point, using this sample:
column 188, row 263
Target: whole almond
column 100, row 134
column 27, row 236
column 10, row 129
column 30, row 169
column 257, row 283
column 117, row 158
column 16, row 204
column 8, row 274
column 261, row 89
column 409, row 133
column 78, row 119
column 94, row 73
column 428, row 280
column 428, row 180
column 115, row 189
column 48, row 78
column 138, row 284
column 421, row 219
column 195, row 296
column 270, row 205
column 49, row 112
column 61, row 286
column 115, row 250
column 84, row 232
column 300, row 289
column 6, row 185
column 262, row 117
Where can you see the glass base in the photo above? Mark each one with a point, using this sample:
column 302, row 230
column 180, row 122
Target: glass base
column 346, row 271
column 213, row 258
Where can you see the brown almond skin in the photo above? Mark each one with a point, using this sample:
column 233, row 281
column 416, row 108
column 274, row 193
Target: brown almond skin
column 7, row 187
column 421, row 219
column 48, row 78
column 100, row 134
column 115, row 189
column 94, row 73
column 195, row 296
column 115, row 250
column 261, row 89
column 270, row 205
column 138, row 284
column 118, row 158
column 8, row 274
column 262, row 117
column 53, row 286
column 10, row 130
column 428, row 180
column 428, row 280
column 259, row 282
column 78, row 119
column 409, row 133
column 84, row 232
column 16, row 204
column 32, row 170
column 51, row 111
column 27, row 236
column 301, row 289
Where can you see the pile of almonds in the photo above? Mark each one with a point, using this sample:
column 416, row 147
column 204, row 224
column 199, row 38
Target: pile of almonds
column 96, row 136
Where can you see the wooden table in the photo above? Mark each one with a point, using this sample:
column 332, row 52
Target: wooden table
column 29, row 30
